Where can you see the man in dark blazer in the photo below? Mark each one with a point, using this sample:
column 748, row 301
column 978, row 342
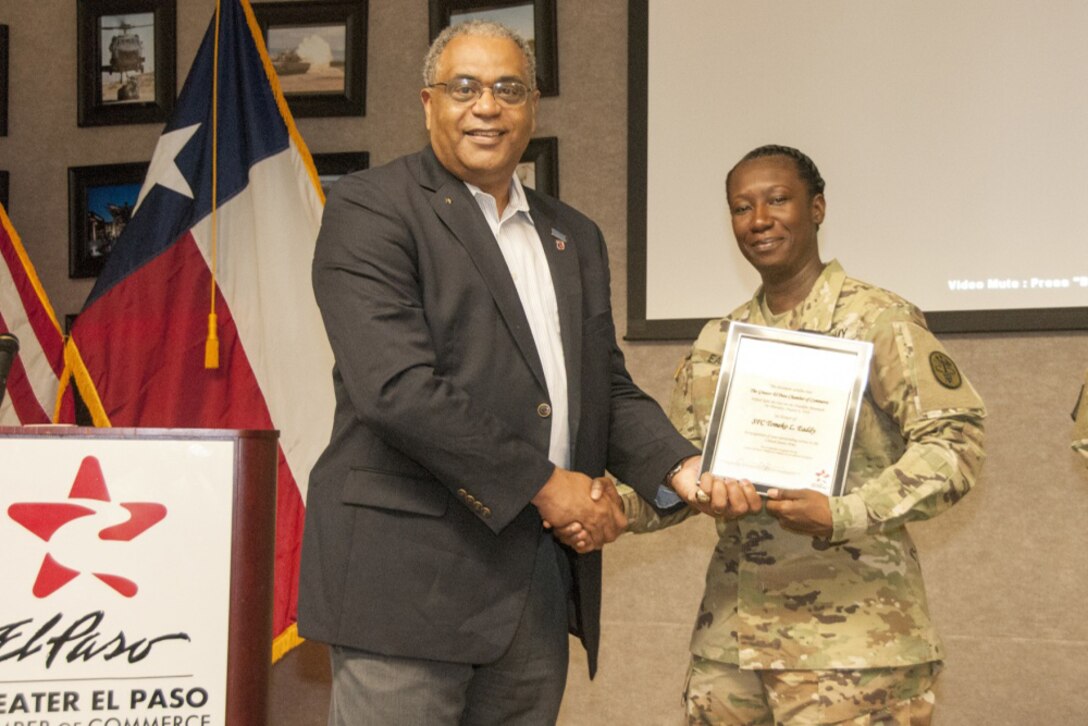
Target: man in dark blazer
column 426, row 562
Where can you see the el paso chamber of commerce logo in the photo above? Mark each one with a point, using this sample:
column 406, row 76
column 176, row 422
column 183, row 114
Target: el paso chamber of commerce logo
column 116, row 581
column 44, row 519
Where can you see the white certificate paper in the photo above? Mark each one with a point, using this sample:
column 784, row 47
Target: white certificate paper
column 786, row 408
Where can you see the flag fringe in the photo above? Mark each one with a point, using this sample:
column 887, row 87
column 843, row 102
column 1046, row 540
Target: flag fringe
column 286, row 641
column 74, row 367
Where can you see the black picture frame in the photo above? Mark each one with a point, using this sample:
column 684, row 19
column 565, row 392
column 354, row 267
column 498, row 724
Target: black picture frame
column 333, row 165
column 283, row 23
column 5, row 187
column 93, row 192
column 5, row 43
column 545, row 44
column 110, row 70
column 539, row 166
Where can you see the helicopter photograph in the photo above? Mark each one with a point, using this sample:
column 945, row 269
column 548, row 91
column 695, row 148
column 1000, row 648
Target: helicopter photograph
column 127, row 44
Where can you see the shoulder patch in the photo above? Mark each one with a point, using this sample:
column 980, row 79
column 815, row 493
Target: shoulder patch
column 945, row 370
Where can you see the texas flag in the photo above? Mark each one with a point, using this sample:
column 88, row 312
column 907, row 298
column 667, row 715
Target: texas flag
column 25, row 312
column 141, row 334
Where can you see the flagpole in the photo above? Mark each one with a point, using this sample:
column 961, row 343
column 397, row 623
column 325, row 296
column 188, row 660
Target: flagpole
column 211, row 345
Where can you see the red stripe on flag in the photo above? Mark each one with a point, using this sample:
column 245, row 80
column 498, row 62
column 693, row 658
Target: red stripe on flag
column 152, row 375
column 24, row 401
column 48, row 336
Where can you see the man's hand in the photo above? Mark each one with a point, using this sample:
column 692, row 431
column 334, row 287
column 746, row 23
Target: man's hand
column 716, row 496
column 574, row 535
column 801, row 510
column 580, row 520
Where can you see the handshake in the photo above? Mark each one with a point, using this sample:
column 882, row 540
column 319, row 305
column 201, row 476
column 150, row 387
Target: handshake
column 586, row 514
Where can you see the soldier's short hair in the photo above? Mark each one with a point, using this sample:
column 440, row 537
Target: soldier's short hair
column 806, row 168
column 480, row 28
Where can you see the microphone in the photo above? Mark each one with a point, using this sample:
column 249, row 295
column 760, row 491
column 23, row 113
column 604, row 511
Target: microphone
column 9, row 346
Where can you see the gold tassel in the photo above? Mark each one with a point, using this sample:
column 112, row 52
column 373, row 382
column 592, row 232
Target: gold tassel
column 211, row 345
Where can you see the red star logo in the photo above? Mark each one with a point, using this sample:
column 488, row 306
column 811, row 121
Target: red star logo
column 43, row 519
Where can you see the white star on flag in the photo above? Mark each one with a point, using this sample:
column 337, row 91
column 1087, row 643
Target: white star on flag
column 163, row 170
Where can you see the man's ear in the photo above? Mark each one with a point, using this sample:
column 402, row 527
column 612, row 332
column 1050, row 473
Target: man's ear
column 425, row 98
column 535, row 100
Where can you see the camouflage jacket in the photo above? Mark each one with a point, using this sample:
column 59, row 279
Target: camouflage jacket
column 1080, row 427
column 779, row 600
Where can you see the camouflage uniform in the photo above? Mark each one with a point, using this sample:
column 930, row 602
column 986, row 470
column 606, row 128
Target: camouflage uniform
column 777, row 600
column 719, row 693
column 1080, row 426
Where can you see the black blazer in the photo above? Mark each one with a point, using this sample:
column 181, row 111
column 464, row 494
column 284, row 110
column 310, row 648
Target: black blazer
column 420, row 536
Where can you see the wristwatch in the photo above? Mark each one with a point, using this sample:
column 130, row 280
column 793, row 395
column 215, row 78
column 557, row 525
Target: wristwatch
column 673, row 472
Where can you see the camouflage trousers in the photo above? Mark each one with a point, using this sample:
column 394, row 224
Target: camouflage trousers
column 720, row 694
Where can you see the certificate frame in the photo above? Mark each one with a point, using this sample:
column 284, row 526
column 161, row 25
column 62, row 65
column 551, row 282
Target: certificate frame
column 786, row 408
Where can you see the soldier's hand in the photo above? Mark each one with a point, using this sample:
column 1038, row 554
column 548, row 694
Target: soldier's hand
column 719, row 496
column 801, row 510
column 686, row 481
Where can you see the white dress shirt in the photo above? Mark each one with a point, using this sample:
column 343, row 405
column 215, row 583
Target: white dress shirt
column 524, row 254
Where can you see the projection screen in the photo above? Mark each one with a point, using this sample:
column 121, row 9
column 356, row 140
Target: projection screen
column 953, row 137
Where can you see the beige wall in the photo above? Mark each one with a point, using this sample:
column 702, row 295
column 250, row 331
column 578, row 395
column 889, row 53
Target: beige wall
column 1006, row 570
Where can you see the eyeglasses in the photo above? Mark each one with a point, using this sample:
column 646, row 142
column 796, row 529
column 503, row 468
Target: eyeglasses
column 468, row 90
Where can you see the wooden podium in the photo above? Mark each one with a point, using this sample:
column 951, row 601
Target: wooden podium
column 122, row 601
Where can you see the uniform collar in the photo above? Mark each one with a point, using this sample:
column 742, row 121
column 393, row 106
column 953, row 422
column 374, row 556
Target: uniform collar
column 815, row 313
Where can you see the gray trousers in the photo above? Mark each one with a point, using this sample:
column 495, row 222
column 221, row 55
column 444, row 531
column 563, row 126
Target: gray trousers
column 523, row 687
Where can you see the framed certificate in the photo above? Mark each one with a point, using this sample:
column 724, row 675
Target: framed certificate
column 786, row 408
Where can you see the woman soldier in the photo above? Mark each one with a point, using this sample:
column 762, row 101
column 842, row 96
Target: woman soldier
column 814, row 610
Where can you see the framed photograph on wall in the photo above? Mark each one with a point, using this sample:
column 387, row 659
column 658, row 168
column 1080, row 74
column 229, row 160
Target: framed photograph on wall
column 539, row 166
column 332, row 166
column 101, row 200
column 127, row 51
column 319, row 52
column 5, row 180
column 533, row 19
column 4, row 44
